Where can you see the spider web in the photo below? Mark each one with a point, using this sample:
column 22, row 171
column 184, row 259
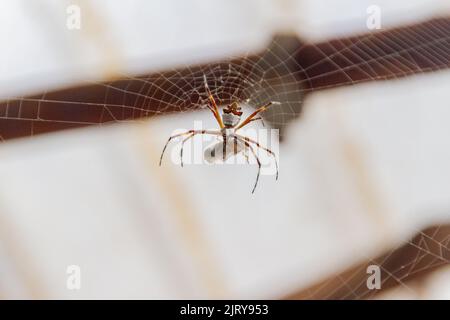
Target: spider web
column 286, row 71
column 403, row 267
column 254, row 79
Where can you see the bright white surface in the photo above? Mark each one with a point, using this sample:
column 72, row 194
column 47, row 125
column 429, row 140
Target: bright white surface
column 325, row 19
column 40, row 53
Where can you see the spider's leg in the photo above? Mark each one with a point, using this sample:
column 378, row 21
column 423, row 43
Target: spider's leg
column 189, row 137
column 224, row 146
column 235, row 148
column 257, row 161
column 265, row 149
column 213, row 107
column 245, row 153
column 211, row 132
column 256, row 119
column 235, row 145
column 260, row 109
column 182, row 146
column 168, row 140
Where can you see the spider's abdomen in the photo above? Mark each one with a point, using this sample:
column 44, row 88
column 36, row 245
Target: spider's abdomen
column 214, row 152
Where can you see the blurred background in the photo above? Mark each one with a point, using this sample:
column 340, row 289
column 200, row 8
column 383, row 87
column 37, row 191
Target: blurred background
column 91, row 90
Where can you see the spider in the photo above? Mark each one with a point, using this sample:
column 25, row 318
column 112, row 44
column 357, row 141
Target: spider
column 229, row 123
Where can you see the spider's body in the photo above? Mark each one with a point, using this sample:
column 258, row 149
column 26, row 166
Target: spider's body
column 231, row 115
column 232, row 143
column 230, row 120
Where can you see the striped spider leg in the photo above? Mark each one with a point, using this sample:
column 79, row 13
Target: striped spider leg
column 229, row 123
column 190, row 134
